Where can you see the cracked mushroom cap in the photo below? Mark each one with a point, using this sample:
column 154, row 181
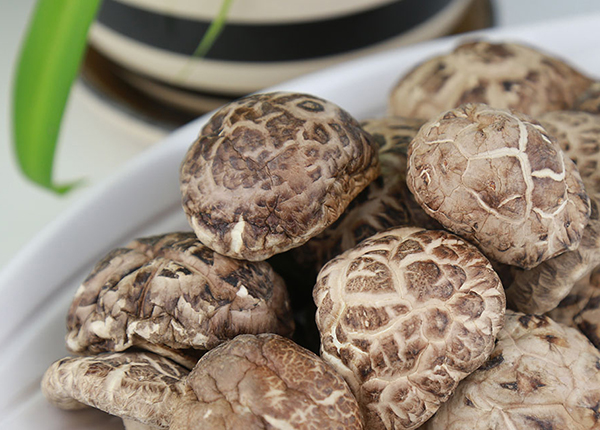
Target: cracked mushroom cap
column 270, row 171
column 501, row 75
column 541, row 376
column 403, row 317
column 581, row 307
column 385, row 203
column 498, row 179
column 173, row 295
column 542, row 288
column 589, row 101
column 266, row 382
column 141, row 388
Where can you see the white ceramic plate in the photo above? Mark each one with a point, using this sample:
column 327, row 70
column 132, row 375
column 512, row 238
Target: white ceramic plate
column 37, row 286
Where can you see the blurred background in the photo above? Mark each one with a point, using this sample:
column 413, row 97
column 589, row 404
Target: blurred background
column 140, row 79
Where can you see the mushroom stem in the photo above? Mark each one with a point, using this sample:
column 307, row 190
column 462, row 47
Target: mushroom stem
column 136, row 425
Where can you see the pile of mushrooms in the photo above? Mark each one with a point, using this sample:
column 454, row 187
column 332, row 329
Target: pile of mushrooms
column 416, row 253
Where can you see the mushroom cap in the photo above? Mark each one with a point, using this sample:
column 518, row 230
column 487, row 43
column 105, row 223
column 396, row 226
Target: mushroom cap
column 142, row 387
column 502, row 75
column 541, row 375
column 170, row 292
column 264, row 382
column 403, row 317
column 589, row 100
column 270, row 171
column 498, row 179
column 581, row 307
column 385, row 203
column 578, row 135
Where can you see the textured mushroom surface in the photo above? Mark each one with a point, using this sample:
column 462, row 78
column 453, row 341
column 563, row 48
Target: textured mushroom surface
column 270, row 171
column 385, row 203
column 542, row 288
column 403, row 317
column 141, row 387
column 541, row 376
column 589, row 100
column 502, row 75
column 168, row 293
column 498, row 179
column 581, row 307
column 266, row 382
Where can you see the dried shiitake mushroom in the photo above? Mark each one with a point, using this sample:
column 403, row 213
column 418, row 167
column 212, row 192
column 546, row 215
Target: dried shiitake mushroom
column 172, row 295
column 251, row 383
column 501, row 75
column 267, row 382
column 270, row 171
column 385, row 203
column 542, row 288
column 581, row 307
column 141, row 388
column 498, row 179
column 589, row 101
column 403, row 317
column 541, row 375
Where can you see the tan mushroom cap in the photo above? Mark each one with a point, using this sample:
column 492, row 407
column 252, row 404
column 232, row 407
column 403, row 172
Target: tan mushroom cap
column 498, row 179
column 589, row 101
column 266, row 382
column 270, row 171
column 171, row 294
column 541, row 375
column 141, row 387
column 581, row 307
column 403, row 317
column 385, row 203
column 542, row 288
column 502, row 75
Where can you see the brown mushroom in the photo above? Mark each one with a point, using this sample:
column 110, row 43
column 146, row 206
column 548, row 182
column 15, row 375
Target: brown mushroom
column 141, row 388
column 542, row 288
column 589, row 101
column 172, row 295
column 385, row 203
column 266, row 382
column 541, row 375
column 501, row 75
column 581, row 307
column 403, row 317
column 270, row 171
column 251, row 382
column 498, row 179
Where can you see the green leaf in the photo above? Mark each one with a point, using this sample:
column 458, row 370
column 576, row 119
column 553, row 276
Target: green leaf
column 214, row 30
column 48, row 64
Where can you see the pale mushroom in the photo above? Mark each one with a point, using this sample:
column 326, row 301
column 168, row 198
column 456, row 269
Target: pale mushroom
column 172, row 295
column 498, row 179
column 541, row 376
column 403, row 317
column 385, row 203
column 501, row 75
column 270, row 171
column 542, row 288
column 252, row 383
column 141, row 388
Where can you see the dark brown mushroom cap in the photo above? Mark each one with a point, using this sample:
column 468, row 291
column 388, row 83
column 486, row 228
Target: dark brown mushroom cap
column 403, row 317
column 385, row 203
column 141, row 387
column 270, row 171
column 266, row 382
column 498, row 179
column 581, row 307
column 541, row 375
column 501, row 75
column 170, row 292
